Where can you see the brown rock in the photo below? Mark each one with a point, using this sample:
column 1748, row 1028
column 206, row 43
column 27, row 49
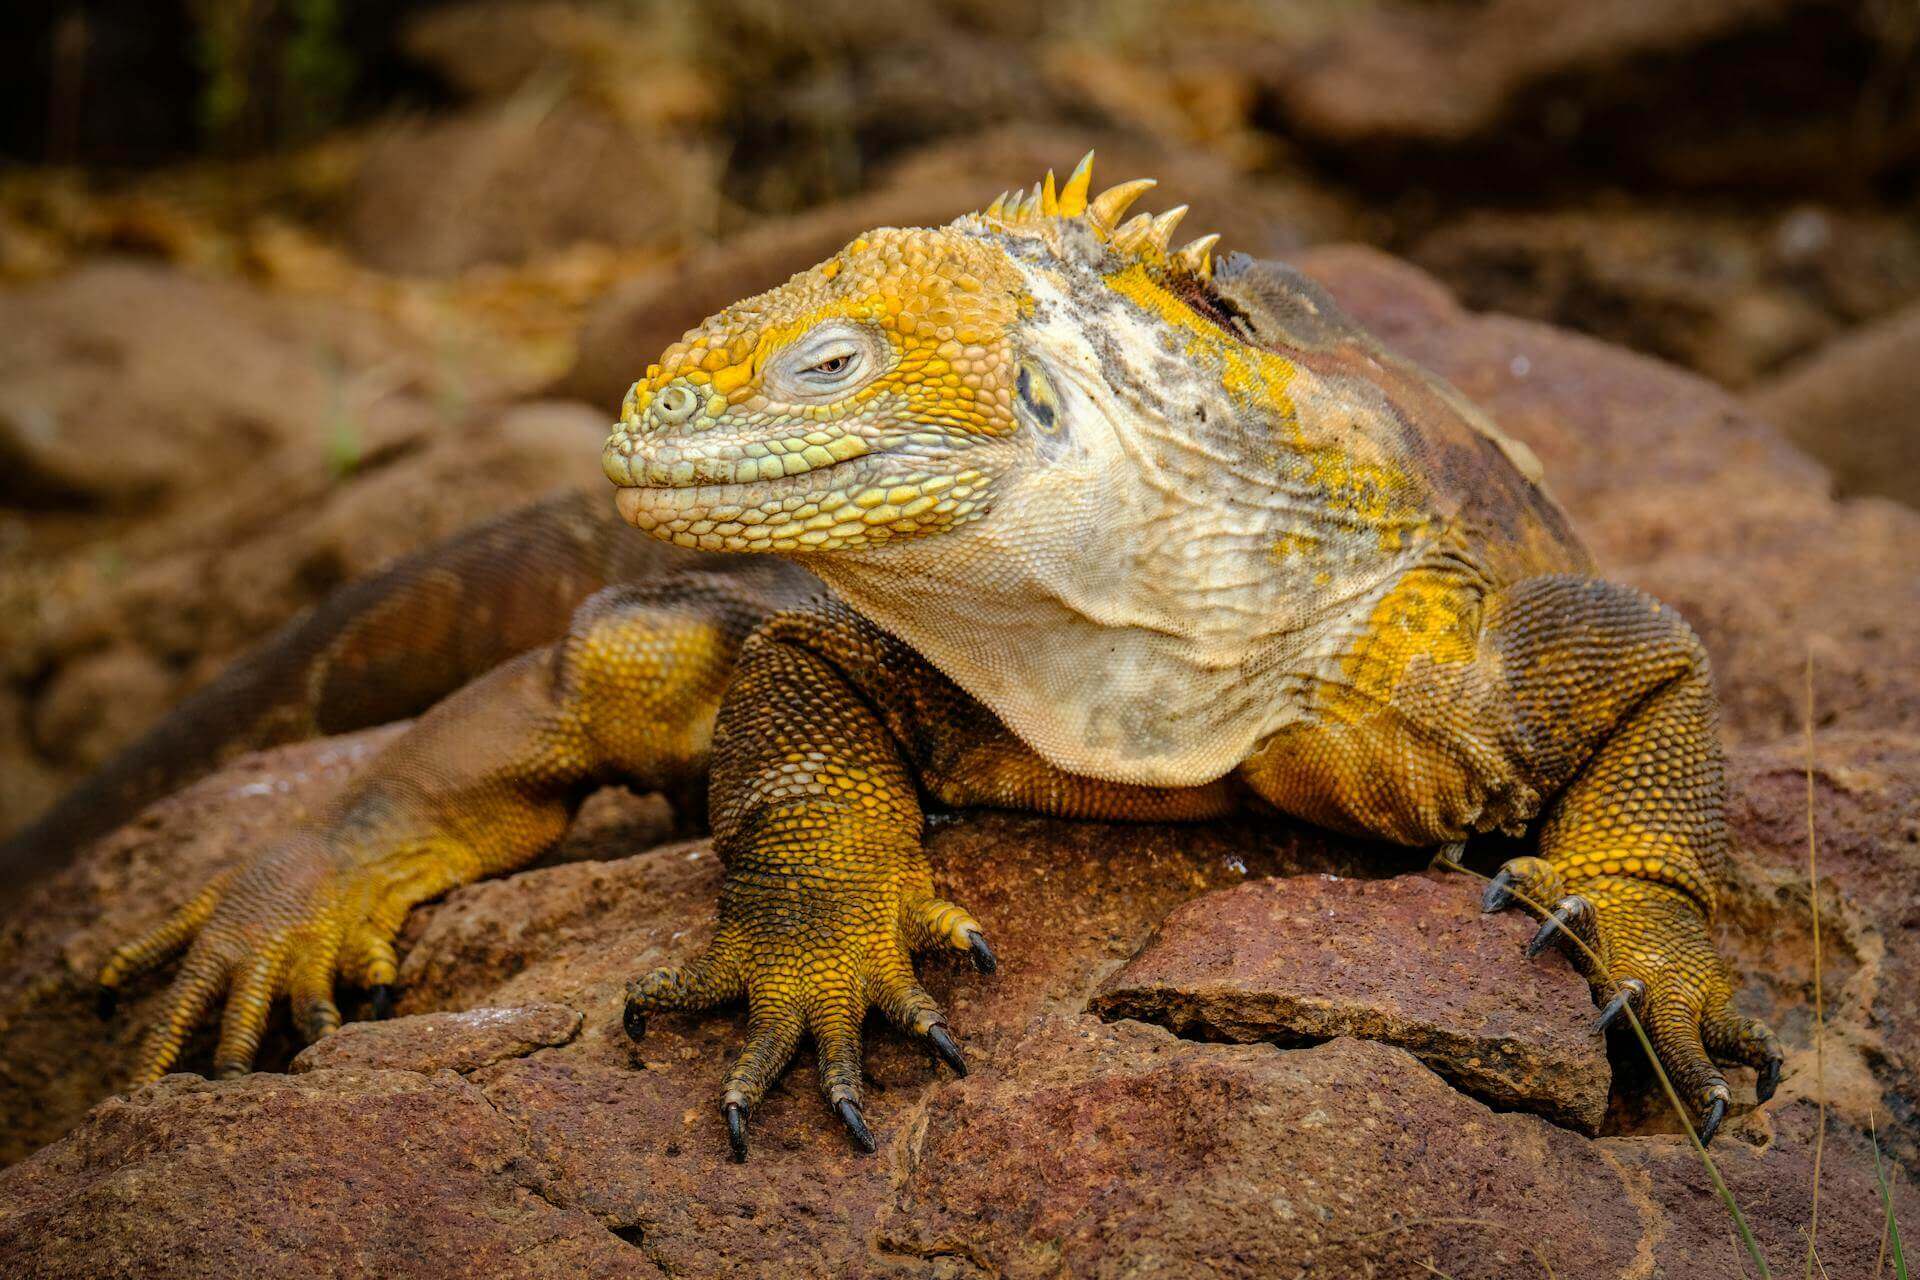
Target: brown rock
column 503, row 183
column 1851, row 405
column 127, row 383
column 1404, row 961
column 1517, row 89
column 429, row 1042
column 1120, row 1150
column 97, row 702
column 1730, row 295
column 111, row 633
column 1866, row 819
column 1403, row 72
column 328, row 1173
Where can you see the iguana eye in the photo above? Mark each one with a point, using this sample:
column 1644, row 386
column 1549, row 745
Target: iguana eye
column 836, row 358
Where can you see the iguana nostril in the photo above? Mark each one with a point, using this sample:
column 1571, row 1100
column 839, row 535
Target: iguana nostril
column 675, row 403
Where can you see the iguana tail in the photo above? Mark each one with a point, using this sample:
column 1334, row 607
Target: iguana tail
column 379, row 649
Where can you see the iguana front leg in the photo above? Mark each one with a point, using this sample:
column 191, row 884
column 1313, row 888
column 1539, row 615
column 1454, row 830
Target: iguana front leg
column 478, row 786
column 823, row 735
column 1572, row 707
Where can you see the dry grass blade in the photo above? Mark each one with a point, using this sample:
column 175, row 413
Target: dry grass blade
column 1890, row 1232
column 1819, row 997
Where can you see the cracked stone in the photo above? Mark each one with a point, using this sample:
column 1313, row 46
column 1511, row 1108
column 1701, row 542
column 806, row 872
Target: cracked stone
column 1406, row 961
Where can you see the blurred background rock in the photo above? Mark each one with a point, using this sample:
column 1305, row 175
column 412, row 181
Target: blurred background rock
column 288, row 287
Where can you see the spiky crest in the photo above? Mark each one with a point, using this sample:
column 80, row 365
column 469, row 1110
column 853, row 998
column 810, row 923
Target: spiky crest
column 1144, row 236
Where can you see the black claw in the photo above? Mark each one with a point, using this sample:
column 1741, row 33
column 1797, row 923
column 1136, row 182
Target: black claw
column 946, row 1050
column 635, row 1021
column 736, row 1114
column 1497, row 897
column 1716, row 1112
column 1629, row 990
column 106, row 1003
column 382, row 999
column 856, row 1125
column 983, row 958
column 1564, row 913
column 1769, row 1079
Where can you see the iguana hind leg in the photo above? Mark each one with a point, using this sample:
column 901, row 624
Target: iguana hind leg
column 478, row 786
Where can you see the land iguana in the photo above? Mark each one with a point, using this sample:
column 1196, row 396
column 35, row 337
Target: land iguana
column 1055, row 517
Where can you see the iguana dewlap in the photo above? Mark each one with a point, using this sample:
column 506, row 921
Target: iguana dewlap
column 1112, row 529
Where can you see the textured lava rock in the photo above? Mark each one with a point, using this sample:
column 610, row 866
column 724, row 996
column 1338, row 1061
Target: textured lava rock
column 1306, row 958
column 1120, row 1150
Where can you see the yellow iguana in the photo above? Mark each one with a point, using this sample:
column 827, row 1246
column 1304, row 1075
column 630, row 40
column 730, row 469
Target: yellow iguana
column 1061, row 519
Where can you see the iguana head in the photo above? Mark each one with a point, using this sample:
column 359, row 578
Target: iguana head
column 895, row 390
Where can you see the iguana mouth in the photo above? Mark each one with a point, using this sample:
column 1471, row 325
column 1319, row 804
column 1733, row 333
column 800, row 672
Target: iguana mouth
column 638, row 463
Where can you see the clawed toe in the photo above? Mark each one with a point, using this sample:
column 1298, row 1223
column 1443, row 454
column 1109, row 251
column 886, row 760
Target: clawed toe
column 1570, row 915
column 983, row 957
column 1631, row 991
column 1715, row 1113
column 850, row 1115
column 1498, row 895
column 736, row 1115
column 946, row 1050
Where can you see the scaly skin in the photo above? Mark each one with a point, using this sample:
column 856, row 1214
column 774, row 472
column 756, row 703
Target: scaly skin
column 1110, row 531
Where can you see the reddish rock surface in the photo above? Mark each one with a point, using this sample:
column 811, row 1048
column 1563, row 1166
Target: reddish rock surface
column 1347, row 1158
column 1850, row 404
column 1306, row 958
column 440, row 1145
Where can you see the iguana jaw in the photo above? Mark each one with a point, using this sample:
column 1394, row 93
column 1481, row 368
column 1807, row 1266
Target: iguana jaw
column 814, row 488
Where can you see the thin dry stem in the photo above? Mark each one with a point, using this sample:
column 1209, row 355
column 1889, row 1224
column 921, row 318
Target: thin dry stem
column 1819, row 996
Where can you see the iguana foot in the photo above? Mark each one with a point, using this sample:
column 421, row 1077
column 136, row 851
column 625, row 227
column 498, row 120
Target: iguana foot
column 1654, row 953
column 811, row 960
column 289, row 924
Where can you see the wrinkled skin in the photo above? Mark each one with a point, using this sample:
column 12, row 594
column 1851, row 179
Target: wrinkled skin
column 1107, row 530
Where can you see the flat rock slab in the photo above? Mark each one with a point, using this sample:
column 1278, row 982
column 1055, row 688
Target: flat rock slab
column 426, row 1042
column 1407, row 961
